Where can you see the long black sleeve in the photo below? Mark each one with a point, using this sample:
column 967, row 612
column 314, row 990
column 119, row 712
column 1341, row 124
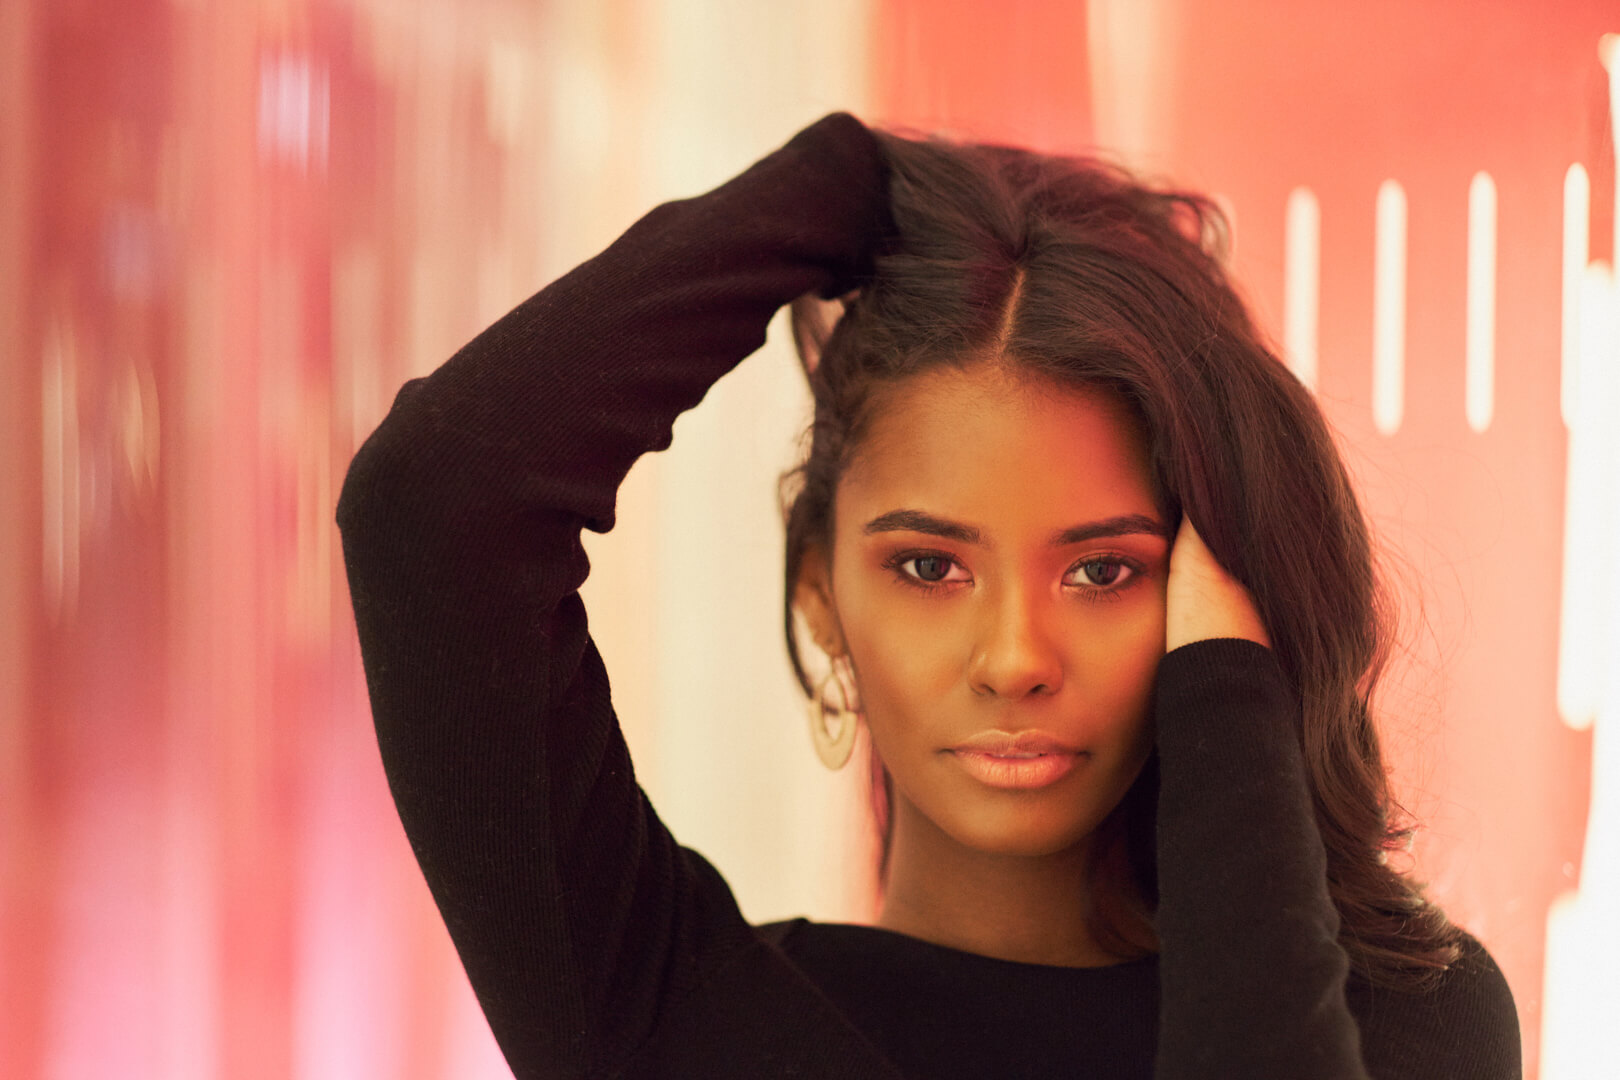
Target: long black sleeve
column 1251, row 974
column 579, row 920
column 1253, row 982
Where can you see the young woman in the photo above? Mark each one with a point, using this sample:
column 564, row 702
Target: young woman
column 1091, row 575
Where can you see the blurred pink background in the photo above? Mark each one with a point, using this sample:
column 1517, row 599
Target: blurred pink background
column 228, row 232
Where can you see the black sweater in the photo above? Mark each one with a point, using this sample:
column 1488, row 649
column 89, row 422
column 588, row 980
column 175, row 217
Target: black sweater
column 600, row 947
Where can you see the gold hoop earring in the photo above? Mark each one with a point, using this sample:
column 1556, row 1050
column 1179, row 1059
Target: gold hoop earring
column 834, row 749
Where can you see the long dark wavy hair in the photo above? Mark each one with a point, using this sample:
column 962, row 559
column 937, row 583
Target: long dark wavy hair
column 1124, row 291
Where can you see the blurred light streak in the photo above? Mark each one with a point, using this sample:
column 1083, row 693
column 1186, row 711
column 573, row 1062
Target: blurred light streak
column 60, row 478
column 1583, row 937
column 138, row 432
column 356, row 343
column 1590, row 399
column 1581, row 992
column 22, row 968
column 1302, row 278
column 1130, row 51
column 1480, row 385
column 1577, row 238
column 1590, row 534
column 1609, row 54
column 1389, row 308
column 800, row 848
column 309, row 586
column 294, row 110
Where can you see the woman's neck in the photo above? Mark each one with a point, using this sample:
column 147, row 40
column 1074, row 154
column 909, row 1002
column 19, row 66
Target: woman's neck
column 1030, row 909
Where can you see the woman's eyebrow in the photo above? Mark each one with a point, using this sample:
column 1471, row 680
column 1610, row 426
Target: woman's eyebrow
column 924, row 522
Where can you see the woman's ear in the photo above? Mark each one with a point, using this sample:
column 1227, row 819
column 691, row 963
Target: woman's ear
column 812, row 595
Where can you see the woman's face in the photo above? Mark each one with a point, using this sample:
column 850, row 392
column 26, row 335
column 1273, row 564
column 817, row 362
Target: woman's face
column 997, row 628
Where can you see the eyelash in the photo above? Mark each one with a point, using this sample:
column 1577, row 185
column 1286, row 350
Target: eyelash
column 1091, row 595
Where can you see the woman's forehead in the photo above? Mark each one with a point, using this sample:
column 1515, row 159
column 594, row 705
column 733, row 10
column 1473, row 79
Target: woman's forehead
column 983, row 413
column 970, row 438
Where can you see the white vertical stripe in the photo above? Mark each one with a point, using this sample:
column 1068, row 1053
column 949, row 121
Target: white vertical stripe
column 1577, row 225
column 1583, row 945
column 1588, row 551
column 1302, row 275
column 1389, row 308
column 1480, row 385
column 1132, row 51
column 1609, row 54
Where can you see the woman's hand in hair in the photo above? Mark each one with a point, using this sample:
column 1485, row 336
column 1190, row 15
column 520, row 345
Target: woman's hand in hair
column 1202, row 600
column 813, row 318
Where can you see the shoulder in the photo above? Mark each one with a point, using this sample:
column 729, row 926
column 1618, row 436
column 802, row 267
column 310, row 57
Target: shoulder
column 779, row 933
column 1465, row 1024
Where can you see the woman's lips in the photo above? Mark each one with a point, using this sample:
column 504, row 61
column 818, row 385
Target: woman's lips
column 1016, row 772
column 1017, row 769
column 1013, row 744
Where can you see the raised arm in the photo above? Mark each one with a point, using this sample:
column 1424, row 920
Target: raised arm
column 1251, row 974
column 579, row 919
column 1253, row 980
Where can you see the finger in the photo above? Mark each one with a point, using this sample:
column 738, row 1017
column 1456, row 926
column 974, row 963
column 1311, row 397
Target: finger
column 1188, row 546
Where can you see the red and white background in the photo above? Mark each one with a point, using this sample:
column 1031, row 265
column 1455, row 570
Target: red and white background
column 228, row 232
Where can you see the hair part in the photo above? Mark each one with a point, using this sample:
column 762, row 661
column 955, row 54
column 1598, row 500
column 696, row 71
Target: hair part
column 1072, row 271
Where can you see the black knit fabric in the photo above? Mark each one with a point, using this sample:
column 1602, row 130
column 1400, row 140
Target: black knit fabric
column 600, row 947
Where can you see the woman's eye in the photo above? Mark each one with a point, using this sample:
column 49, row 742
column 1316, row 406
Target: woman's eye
column 1098, row 576
column 928, row 566
column 923, row 569
column 1110, row 571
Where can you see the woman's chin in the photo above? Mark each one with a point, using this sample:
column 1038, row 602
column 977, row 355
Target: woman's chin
column 1031, row 839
